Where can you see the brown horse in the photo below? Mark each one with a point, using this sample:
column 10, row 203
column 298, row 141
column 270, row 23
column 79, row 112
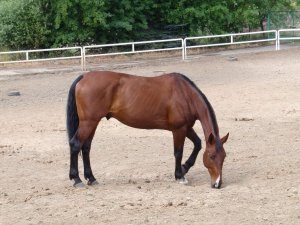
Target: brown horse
column 170, row 102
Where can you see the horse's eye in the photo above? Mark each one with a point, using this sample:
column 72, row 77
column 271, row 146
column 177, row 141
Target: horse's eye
column 212, row 157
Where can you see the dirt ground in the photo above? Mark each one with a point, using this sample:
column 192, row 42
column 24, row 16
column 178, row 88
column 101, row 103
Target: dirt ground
column 256, row 98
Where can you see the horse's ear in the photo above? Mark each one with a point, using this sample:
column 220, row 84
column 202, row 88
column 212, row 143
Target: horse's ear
column 224, row 139
column 211, row 139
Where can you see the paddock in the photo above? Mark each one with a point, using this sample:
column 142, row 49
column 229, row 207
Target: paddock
column 256, row 98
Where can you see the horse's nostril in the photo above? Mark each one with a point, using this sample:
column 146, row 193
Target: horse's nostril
column 216, row 185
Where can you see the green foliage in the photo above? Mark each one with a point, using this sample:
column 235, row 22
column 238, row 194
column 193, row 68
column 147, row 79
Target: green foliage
column 29, row 24
column 219, row 16
column 22, row 24
column 126, row 18
column 76, row 22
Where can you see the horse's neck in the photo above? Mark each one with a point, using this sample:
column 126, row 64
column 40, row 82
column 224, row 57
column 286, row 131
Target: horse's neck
column 207, row 118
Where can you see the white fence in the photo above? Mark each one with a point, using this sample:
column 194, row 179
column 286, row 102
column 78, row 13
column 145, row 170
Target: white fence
column 288, row 32
column 133, row 48
column 229, row 39
column 25, row 55
column 178, row 44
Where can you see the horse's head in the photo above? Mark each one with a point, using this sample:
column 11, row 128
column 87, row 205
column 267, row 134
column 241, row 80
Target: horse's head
column 213, row 159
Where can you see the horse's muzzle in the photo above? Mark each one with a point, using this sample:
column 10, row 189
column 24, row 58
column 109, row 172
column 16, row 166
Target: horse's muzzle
column 217, row 184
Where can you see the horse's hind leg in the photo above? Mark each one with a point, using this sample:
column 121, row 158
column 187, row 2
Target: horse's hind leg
column 88, row 174
column 75, row 149
column 197, row 147
column 84, row 132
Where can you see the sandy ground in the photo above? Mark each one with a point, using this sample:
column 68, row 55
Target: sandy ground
column 256, row 99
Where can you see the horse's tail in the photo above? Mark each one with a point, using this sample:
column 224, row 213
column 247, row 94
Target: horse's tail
column 72, row 116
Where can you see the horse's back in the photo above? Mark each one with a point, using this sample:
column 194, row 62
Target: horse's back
column 125, row 85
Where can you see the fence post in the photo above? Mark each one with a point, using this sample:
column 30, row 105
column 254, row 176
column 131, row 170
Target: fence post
column 183, row 49
column 83, row 63
column 133, row 47
column 27, row 56
column 81, row 59
column 278, row 39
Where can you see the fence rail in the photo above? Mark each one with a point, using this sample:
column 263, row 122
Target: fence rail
column 231, row 39
column 177, row 44
column 26, row 55
column 133, row 46
column 284, row 38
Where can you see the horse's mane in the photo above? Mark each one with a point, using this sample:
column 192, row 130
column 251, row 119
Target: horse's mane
column 209, row 107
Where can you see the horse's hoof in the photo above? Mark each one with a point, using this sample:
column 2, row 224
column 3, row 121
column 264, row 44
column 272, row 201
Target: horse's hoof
column 93, row 183
column 182, row 180
column 79, row 185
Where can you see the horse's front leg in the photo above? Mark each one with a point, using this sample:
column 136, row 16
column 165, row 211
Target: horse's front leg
column 197, row 147
column 178, row 138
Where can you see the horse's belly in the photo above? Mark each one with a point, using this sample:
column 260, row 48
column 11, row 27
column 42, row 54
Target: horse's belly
column 144, row 121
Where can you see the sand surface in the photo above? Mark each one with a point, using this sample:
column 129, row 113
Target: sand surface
column 256, row 100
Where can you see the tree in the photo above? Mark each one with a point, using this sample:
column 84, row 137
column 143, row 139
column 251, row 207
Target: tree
column 76, row 22
column 205, row 17
column 28, row 24
column 220, row 16
column 22, row 25
column 126, row 19
column 266, row 6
